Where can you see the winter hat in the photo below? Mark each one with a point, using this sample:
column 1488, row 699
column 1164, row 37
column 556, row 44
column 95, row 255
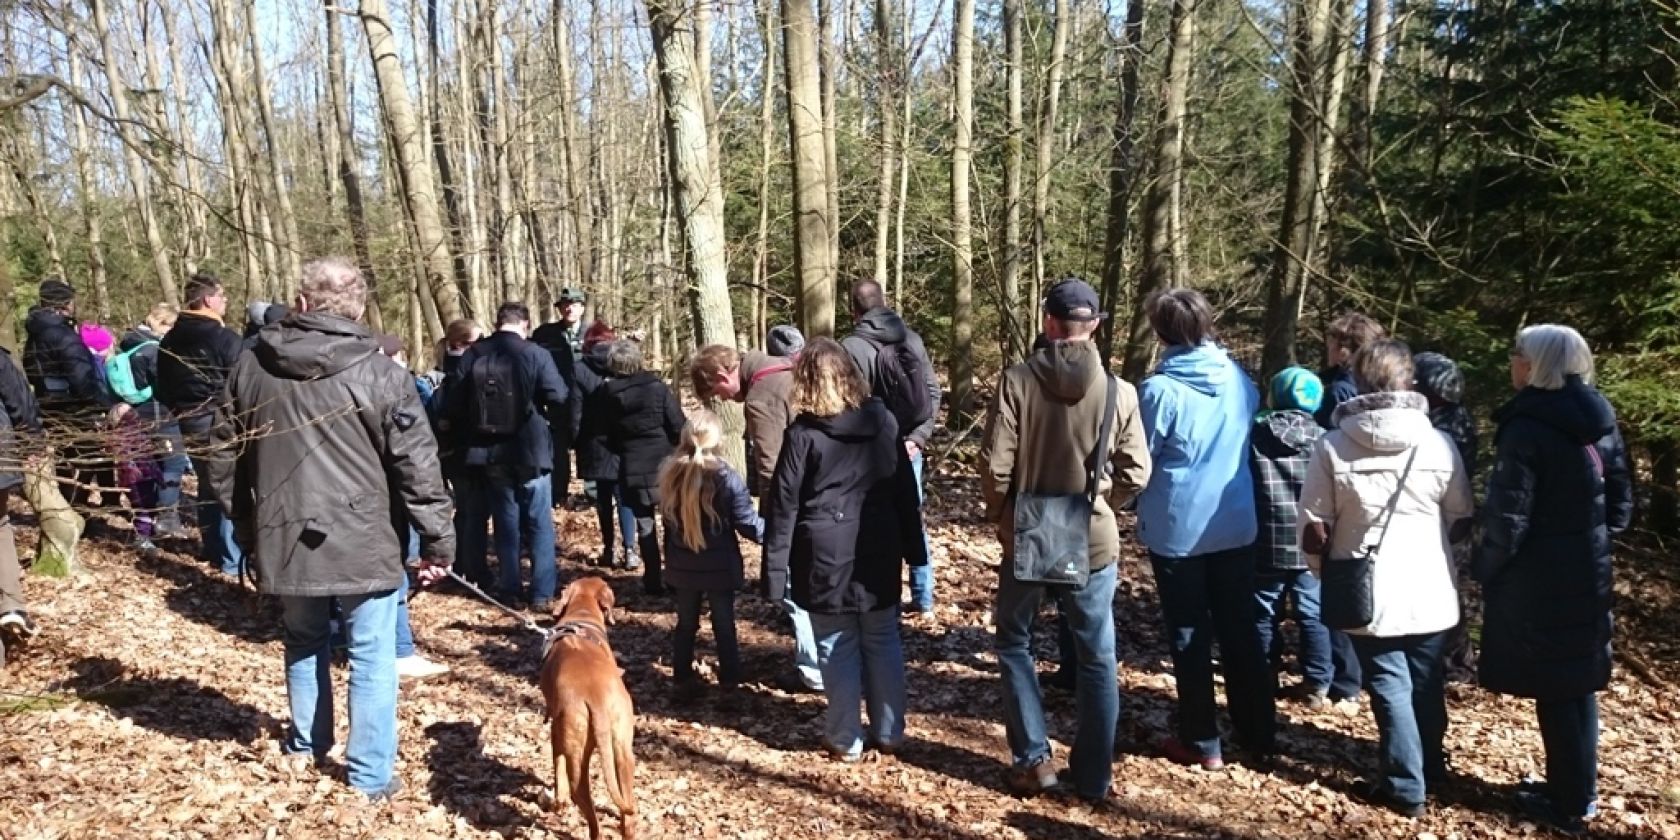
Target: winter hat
column 56, row 293
column 597, row 333
column 1437, row 377
column 256, row 311
column 97, row 338
column 1296, row 389
column 275, row 313
column 785, row 340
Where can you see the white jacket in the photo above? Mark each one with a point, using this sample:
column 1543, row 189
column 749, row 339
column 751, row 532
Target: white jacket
column 1350, row 481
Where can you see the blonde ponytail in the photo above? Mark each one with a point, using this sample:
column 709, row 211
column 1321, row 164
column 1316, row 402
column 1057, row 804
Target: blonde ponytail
column 686, row 488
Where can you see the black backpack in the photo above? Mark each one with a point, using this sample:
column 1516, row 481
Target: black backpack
column 501, row 404
column 901, row 383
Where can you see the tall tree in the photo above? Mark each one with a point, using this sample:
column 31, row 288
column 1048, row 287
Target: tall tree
column 766, row 135
column 886, row 103
column 811, row 243
column 1047, row 106
column 962, row 231
column 349, row 159
column 1122, row 169
column 82, row 151
column 1156, row 270
column 289, row 244
column 1017, row 317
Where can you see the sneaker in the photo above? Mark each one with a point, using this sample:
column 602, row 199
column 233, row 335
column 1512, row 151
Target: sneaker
column 145, row 547
column 1346, row 707
column 169, row 527
column 1178, row 752
column 17, row 625
column 417, row 667
column 1536, row 803
column 1031, row 780
column 632, row 561
column 793, row 683
column 1378, row 794
column 843, row 756
column 385, row 794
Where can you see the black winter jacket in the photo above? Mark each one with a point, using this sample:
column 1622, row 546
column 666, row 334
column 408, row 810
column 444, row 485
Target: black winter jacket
column 882, row 327
column 1280, row 448
column 193, row 363
column 20, row 412
column 1560, row 487
column 327, row 458
column 58, row 364
column 563, row 422
column 643, row 420
column 717, row 565
column 595, row 459
column 1339, row 387
column 841, row 514
column 532, row 447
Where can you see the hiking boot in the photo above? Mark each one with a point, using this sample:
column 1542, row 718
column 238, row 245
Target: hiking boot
column 1535, row 802
column 1178, row 752
column 1378, row 794
column 1031, row 780
column 385, row 794
column 417, row 667
column 792, row 683
column 17, row 625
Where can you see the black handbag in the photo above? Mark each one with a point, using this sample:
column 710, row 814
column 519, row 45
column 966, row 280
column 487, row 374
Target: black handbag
column 1348, row 600
column 1053, row 531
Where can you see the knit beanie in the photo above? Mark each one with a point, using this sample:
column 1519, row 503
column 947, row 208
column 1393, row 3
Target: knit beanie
column 784, row 340
column 255, row 312
column 1437, row 377
column 56, row 293
column 97, row 338
column 1297, row 389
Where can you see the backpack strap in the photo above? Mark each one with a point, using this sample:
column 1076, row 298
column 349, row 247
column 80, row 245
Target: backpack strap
column 1094, row 465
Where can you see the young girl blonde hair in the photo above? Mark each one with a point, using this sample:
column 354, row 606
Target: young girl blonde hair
column 686, row 487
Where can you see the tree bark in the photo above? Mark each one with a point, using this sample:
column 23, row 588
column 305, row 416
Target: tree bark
column 1156, row 270
column 86, row 193
column 138, row 177
column 811, row 244
column 829, row 72
column 419, row 190
column 349, row 159
column 195, row 200
column 579, row 213
column 1017, row 317
column 224, row 68
column 289, row 245
column 962, row 246
column 1048, row 105
column 766, row 136
column 887, row 59
column 1122, row 172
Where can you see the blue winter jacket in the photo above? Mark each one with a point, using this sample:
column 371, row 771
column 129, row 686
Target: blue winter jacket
column 1197, row 410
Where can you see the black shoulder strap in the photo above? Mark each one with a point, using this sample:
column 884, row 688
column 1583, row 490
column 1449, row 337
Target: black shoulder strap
column 1394, row 501
column 1094, row 465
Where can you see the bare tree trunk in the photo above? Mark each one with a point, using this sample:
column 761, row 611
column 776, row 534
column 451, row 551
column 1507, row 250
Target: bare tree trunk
column 349, row 159
column 223, row 66
column 1048, row 104
column 289, row 244
column 1017, row 317
column 829, row 72
column 1178, row 234
column 194, row 200
column 962, row 233
column 473, row 237
column 1156, row 270
column 1379, row 37
column 419, row 191
column 812, row 242
column 1338, row 49
column 86, row 194
column 886, row 90
column 905, row 93
column 1122, row 172
column 579, row 213
column 138, row 177
column 766, row 136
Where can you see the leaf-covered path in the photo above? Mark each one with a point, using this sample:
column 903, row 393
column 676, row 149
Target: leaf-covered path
column 152, row 703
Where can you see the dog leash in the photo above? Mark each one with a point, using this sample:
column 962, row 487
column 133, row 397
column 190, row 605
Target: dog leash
column 523, row 619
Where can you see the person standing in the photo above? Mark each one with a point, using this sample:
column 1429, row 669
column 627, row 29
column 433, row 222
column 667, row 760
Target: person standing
column 328, row 455
column 895, row 363
column 1197, row 520
column 1061, row 425
column 597, row 464
column 1440, row 381
column 563, row 339
column 840, row 520
column 19, row 416
column 644, row 421
column 70, row 385
column 1386, row 492
column 495, row 404
column 139, row 349
column 1561, row 487
column 193, row 363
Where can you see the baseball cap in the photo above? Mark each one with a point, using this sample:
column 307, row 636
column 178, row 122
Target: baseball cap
column 570, row 294
column 1073, row 300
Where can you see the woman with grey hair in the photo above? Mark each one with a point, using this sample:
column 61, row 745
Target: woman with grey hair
column 1560, row 489
column 1384, row 494
column 643, row 419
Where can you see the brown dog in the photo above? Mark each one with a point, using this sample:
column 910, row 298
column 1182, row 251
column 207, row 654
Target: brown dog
column 589, row 708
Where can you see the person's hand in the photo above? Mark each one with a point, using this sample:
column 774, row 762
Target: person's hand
column 913, row 449
column 1315, row 538
column 431, row 571
column 119, row 411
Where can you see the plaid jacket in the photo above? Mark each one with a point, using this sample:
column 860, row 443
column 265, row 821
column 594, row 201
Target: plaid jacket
column 1279, row 449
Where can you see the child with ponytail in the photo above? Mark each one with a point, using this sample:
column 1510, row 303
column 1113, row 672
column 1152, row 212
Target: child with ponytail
column 704, row 504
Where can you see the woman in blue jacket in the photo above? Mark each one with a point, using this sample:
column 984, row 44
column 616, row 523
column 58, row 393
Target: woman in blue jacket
column 1197, row 519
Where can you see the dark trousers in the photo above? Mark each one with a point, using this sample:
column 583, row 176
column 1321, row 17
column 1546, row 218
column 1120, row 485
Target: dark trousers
column 1344, row 663
column 1409, row 702
column 642, row 507
column 1206, row 597
column 722, row 602
column 1569, row 729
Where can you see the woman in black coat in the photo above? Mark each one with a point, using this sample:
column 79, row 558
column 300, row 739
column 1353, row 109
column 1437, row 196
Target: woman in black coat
column 19, row 416
column 841, row 517
column 643, row 420
column 595, row 460
column 1560, row 488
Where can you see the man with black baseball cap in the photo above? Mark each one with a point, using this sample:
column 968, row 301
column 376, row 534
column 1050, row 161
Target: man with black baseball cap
column 1051, row 413
column 563, row 339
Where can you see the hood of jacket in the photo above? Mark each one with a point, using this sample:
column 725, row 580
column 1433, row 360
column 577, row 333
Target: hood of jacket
column 1295, row 431
column 862, row 423
column 312, row 345
column 619, row 386
column 1577, row 409
column 1386, row 421
column 882, row 326
column 138, row 336
column 596, row 358
column 42, row 319
column 1205, row 368
column 1067, row 369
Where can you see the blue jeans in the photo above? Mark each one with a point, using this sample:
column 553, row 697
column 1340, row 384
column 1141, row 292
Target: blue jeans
column 215, row 529
column 405, row 633
column 1569, row 729
column 370, row 621
column 523, row 512
column 722, row 602
column 804, row 646
column 608, row 500
column 172, row 455
column 1270, row 586
column 1348, row 678
column 921, row 577
column 862, row 662
column 1090, row 616
column 1204, row 597
column 1408, row 698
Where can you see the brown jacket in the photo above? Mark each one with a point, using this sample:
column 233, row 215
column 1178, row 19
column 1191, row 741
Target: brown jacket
column 767, row 383
column 1042, row 427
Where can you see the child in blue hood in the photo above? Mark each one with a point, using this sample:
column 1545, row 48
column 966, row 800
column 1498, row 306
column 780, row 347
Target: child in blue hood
column 1197, row 518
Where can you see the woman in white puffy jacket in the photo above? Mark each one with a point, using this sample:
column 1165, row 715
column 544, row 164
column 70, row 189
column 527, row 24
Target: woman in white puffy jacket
column 1384, row 459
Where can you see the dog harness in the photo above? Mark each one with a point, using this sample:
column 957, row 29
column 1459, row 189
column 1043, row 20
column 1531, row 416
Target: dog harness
column 576, row 628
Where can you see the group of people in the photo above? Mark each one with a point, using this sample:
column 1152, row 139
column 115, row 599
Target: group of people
column 1342, row 494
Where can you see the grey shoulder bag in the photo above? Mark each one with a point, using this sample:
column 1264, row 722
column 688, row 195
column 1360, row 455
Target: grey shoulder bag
column 1349, row 601
column 1053, row 531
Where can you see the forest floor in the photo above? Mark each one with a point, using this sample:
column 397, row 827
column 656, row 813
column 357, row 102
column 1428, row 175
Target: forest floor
column 152, row 704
